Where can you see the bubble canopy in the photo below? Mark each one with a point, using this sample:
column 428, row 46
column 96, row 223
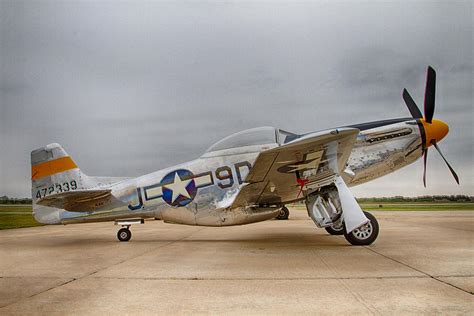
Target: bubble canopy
column 251, row 137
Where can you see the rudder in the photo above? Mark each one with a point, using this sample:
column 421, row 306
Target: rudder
column 53, row 171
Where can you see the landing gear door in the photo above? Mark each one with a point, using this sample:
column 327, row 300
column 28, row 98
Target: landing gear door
column 352, row 213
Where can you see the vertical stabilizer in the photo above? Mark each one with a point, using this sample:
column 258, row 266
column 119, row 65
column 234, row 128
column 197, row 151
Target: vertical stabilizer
column 53, row 171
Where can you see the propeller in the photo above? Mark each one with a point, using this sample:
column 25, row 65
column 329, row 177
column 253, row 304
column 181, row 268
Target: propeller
column 434, row 130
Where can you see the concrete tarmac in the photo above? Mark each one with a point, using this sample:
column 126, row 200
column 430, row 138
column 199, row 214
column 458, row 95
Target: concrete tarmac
column 422, row 262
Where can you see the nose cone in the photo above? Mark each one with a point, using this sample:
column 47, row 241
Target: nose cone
column 436, row 130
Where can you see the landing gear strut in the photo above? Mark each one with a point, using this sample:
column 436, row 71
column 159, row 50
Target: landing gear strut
column 283, row 214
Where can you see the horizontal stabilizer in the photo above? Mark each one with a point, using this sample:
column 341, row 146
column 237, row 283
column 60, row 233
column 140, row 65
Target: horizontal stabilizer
column 80, row 201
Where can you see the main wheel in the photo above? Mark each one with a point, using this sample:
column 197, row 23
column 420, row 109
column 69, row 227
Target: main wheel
column 335, row 229
column 283, row 214
column 366, row 234
column 124, row 234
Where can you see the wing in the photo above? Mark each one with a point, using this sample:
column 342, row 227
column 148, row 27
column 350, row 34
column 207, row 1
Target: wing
column 81, row 201
column 314, row 160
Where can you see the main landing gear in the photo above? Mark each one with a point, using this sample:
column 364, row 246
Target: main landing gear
column 124, row 233
column 334, row 208
column 364, row 235
column 283, row 214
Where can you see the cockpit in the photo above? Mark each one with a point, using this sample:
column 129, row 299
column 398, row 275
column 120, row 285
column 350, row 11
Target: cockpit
column 251, row 140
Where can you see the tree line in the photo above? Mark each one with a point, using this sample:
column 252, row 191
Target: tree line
column 424, row 198
column 7, row 200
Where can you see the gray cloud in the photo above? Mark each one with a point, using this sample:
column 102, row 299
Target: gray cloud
column 131, row 87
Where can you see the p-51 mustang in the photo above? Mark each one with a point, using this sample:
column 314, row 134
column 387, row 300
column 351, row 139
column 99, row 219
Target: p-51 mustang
column 247, row 177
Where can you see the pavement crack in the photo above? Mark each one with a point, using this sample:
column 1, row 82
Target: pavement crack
column 418, row 270
column 259, row 279
column 370, row 308
column 143, row 253
column 38, row 293
column 94, row 272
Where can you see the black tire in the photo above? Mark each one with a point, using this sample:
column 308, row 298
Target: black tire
column 366, row 235
column 334, row 230
column 124, row 234
column 283, row 214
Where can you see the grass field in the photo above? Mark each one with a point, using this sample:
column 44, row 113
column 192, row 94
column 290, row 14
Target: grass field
column 418, row 206
column 411, row 206
column 18, row 216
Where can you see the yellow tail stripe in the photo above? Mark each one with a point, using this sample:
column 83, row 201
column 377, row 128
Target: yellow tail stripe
column 48, row 168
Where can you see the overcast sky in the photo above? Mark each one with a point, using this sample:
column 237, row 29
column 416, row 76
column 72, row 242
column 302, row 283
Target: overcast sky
column 132, row 87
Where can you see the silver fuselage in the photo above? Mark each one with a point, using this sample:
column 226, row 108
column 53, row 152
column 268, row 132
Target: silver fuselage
column 218, row 177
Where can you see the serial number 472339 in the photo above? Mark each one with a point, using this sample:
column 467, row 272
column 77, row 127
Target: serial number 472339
column 57, row 188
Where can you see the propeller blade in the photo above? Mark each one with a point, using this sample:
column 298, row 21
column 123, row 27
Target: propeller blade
column 425, row 157
column 430, row 94
column 447, row 163
column 412, row 107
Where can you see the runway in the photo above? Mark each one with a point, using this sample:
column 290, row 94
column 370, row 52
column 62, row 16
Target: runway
column 422, row 262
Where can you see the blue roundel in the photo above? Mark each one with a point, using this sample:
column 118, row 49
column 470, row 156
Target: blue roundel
column 178, row 187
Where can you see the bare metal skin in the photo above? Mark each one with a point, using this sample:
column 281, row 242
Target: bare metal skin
column 245, row 178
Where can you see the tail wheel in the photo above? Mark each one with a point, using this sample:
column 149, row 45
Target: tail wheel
column 366, row 234
column 283, row 214
column 124, row 234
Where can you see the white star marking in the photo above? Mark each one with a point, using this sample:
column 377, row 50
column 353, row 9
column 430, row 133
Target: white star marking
column 178, row 187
